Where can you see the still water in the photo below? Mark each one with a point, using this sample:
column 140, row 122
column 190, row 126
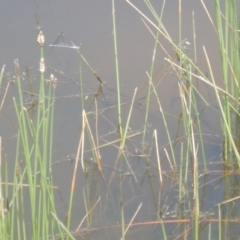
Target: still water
column 86, row 26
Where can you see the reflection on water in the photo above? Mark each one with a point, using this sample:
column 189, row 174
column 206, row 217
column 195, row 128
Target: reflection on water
column 113, row 182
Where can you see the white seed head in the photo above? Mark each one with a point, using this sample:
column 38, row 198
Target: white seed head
column 40, row 38
column 53, row 80
column 42, row 66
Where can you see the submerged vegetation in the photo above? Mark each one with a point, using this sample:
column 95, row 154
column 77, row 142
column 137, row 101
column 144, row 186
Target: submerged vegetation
column 177, row 178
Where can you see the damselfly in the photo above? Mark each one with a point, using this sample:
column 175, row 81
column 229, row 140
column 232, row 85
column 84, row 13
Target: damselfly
column 63, row 45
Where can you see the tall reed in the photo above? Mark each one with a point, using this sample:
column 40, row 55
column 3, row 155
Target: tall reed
column 227, row 31
column 32, row 203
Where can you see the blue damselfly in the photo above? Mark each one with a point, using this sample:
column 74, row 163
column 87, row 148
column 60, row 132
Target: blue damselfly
column 63, row 45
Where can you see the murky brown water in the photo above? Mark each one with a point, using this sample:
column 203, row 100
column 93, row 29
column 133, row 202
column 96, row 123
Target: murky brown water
column 89, row 24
